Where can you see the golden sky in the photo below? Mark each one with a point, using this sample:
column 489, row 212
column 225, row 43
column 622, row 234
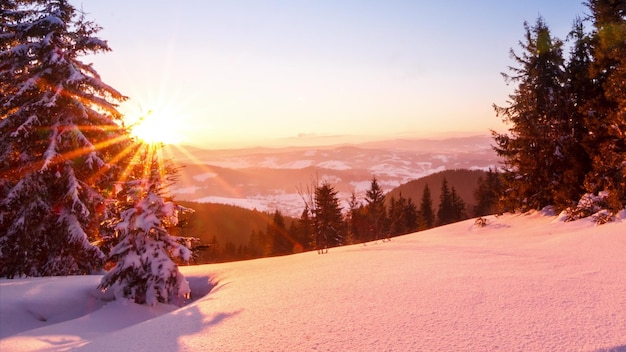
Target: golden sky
column 232, row 74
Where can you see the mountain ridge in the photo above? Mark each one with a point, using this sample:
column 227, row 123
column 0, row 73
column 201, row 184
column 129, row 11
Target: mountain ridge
column 270, row 179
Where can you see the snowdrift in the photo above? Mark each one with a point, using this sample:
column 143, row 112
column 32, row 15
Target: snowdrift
column 523, row 283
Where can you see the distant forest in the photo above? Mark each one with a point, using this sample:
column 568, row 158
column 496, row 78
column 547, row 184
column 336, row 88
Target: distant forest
column 227, row 232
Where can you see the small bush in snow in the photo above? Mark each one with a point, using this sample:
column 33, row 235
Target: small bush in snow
column 591, row 205
column 481, row 222
column 602, row 217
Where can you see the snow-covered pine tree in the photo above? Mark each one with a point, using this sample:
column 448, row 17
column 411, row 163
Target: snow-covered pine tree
column 144, row 270
column 57, row 131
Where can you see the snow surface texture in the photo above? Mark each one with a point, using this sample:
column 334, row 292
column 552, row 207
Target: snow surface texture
column 522, row 283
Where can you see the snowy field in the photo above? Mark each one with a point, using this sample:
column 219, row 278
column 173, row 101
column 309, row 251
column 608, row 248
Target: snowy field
column 523, row 283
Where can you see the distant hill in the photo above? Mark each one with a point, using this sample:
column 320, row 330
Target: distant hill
column 269, row 179
column 464, row 182
column 225, row 223
column 229, row 223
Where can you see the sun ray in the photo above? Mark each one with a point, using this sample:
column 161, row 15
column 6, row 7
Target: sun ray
column 156, row 127
column 235, row 192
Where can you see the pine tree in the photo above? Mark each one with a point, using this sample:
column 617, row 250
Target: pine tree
column 376, row 210
column 58, row 134
column 353, row 220
column 606, row 111
column 451, row 206
column 402, row 216
column 396, row 216
column 305, row 230
column 575, row 162
column 445, row 212
column 144, row 270
column 328, row 221
column 281, row 242
column 457, row 206
column 411, row 216
column 532, row 150
column 426, row 214
column 487, row 195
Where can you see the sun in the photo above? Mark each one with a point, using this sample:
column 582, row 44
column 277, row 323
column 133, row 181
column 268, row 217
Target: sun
column 155, row 127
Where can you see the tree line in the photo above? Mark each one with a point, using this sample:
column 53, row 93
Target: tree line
column 324, row 223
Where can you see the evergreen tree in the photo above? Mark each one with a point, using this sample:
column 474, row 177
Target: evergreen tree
column 305, row 230
column 532, row 150
column 451, row 206
column 396, row 216
column 144, row 271
column 281, row 241
column 445, row 213
column 574, row 162
column 487, row 195
column 376, row 210
column 569, row 121
column 328, row 221
column 58, row 133
column 411, row 216
column 606, row 111
column 352, row 220
column 457, row 206
column 254, row 250
column 402, row 216
column 426, row 212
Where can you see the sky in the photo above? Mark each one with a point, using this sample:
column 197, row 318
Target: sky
column 235, row 74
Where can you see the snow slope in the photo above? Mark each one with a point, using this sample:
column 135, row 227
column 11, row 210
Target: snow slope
column 523, row 283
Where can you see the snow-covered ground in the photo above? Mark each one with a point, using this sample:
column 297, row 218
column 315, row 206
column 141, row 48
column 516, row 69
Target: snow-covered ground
column 523, row 283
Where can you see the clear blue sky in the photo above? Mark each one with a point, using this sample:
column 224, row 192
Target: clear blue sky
column 245, row 73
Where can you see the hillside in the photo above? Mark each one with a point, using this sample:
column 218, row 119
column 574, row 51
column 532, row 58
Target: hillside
column 464, row 181
column 526, row 282
column 225, row 231
column 225, row 223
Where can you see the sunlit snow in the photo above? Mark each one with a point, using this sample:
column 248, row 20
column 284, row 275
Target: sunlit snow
column 526, row 282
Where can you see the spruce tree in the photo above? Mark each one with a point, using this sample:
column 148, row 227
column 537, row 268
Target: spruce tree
column 396, row 216
column 281, row 242
column 457, row 206
column 532, row 149
column 411, row 216
column 606, row 111
column 445, row 212
column 402, row 216
column 574, row 163
column 426, row 213
column 376, row 210
column 58, row 133
column 328, row 221
column 353, row 220
column 305, row 230
column 144, row 270
column 487, row 195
